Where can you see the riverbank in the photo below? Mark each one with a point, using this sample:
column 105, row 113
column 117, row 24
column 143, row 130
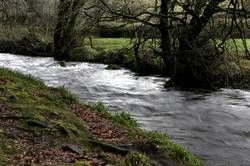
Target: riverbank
column 51, row 122
column 117, row 53
column 208, row 70
column 228, row 71
column 30, row 44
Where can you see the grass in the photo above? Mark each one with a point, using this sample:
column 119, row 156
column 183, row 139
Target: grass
column 118, row 43
column 36, row 118
column 234, row 45
column 238, row 63
column 106, row 51
column 245, row 64
column 169, row 149
column 121, row 118
column 109, row 43
column 115, row 52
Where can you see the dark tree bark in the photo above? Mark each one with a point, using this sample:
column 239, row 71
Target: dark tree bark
column 165, row 35
column 197, row 24
column 64, row 35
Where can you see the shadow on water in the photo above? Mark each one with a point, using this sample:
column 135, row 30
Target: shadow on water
column 215, row 125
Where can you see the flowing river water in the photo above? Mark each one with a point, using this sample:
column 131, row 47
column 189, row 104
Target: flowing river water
column 214, row 126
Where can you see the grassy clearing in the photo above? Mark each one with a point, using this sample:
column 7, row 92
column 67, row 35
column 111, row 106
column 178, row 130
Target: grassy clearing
column 109, row 43
column 232, row 45
column 118, row 43
column 112, row 43
column 50, row 121
column 115, row 52
column 238, row 64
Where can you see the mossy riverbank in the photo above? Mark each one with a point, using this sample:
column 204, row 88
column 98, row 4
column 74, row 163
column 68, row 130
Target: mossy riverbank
column 49, row 126
column 118, row 52
column 199, row 68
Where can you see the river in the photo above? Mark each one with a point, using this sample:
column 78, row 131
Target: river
column 214, row 126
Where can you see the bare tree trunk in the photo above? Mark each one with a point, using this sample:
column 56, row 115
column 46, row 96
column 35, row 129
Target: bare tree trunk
column 165, row 35
column 64, row 31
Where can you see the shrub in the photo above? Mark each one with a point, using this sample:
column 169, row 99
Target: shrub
column 199, row 67
column 83, row 54
column 32, row 44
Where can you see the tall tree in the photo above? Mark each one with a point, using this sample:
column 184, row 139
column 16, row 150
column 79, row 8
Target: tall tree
column 184, row 30
column 64, row 33
column 165, row 33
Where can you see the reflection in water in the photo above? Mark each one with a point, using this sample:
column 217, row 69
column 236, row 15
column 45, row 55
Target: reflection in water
column 214, row 126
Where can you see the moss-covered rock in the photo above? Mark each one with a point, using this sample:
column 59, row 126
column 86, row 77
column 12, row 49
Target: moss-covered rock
column 113, row 67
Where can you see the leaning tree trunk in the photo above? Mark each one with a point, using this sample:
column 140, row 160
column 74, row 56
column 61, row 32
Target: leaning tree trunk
column 64, row 35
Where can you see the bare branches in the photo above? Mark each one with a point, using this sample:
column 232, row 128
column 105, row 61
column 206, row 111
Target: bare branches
column 127, row 16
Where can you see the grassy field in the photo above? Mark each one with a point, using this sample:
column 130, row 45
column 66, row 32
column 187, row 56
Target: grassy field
column 109, row 43
column 109, row 51
column 232, row 45
column 117, row 43
column 112, row 43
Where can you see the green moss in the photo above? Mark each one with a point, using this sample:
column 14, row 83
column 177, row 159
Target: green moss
column 137, row 159
column 68, row 129
column 113, row 67
column 6, row 147
column 42, row 110
column 65, row 95
column 172, row 150
column 108, row 44
column 83, row 54
column 82, row 163
column 116, row 52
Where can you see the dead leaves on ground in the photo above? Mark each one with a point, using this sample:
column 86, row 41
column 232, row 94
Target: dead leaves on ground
column 102, row 128
column 42, row 153
column 39, row 150
column 31, row 148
